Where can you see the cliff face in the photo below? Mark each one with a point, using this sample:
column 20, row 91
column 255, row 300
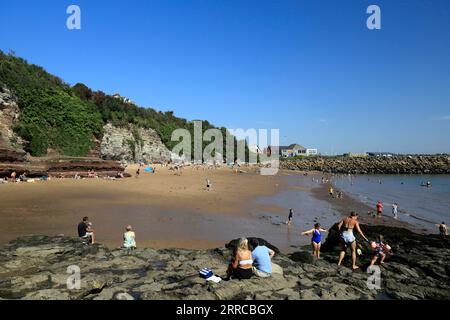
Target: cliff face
column 9, row 115
column 372, row 165
column 132, row 144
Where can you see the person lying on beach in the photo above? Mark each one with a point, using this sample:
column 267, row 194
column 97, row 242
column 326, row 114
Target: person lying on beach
column 316, row 240
column 242, row 262
column 443, row 230
column 85, row 230
column 379, row 250
column 263, row 266
column 346, row 227
column 129, row 238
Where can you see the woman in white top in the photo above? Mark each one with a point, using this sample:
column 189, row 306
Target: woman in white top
column 129, row 238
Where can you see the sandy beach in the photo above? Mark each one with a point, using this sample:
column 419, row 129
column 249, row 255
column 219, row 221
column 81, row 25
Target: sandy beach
column 176, row 211
column 165, row 209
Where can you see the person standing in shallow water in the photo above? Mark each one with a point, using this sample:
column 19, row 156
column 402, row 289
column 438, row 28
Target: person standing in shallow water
column 395, row 210
column 379, row 208
column 289, row 220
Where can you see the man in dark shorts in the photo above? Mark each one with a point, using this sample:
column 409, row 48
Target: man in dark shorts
column 85, row 231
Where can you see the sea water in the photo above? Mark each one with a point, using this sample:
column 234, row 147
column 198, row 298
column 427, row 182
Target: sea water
column 418, row 204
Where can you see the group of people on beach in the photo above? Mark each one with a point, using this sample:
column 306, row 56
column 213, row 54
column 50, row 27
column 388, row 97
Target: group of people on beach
column 86, row 232
column 348, row 240
column 21, row 178
column 246, row 263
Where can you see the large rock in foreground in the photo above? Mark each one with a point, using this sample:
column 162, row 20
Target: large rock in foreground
column 36, row 267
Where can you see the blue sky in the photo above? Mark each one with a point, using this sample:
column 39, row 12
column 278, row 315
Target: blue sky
column 310, row 68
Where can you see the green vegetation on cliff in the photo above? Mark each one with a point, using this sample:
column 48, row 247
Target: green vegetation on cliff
column 67, row 119
column 52, row 116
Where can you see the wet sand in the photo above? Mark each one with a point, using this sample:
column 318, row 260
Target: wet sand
column 170, row 211
column 165, row 210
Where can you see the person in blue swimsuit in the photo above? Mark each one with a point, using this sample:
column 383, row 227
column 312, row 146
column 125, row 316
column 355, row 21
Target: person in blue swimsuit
column 316, row 238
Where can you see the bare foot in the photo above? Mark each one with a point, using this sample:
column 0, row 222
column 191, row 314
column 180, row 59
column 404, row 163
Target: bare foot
column 355, row 268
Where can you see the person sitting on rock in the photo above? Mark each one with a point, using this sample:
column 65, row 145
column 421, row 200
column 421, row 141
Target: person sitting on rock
column 129, row 238
column 242, row 263
column 346, row 227
column 85, row 230
column 262, row 256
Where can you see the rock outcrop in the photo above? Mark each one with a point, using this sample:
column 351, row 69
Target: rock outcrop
column 39, row 267
column 61, row 167
column 371, row 165
column 132, row 144
column 9, row 116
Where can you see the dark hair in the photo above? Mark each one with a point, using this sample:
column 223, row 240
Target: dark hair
column 253, row 242
column 317, row 226
column 443, row 222
column 353, row 214
column 85, row 219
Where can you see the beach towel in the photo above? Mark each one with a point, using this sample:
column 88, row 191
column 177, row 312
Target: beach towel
column 206, row 273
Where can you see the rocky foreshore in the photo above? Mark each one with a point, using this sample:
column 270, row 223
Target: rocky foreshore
column 36, row 267
column 371, row 165
column 60, row 167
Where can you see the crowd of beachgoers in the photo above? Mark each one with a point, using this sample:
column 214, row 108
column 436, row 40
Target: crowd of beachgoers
column 249, row 257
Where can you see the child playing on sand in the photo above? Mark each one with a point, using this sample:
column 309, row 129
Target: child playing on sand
column 208, row 185
column 316, row 240
column 379, row 250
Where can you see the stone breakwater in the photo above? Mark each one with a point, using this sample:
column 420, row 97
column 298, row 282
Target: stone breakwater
column 36, row 267
column 371, row 165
